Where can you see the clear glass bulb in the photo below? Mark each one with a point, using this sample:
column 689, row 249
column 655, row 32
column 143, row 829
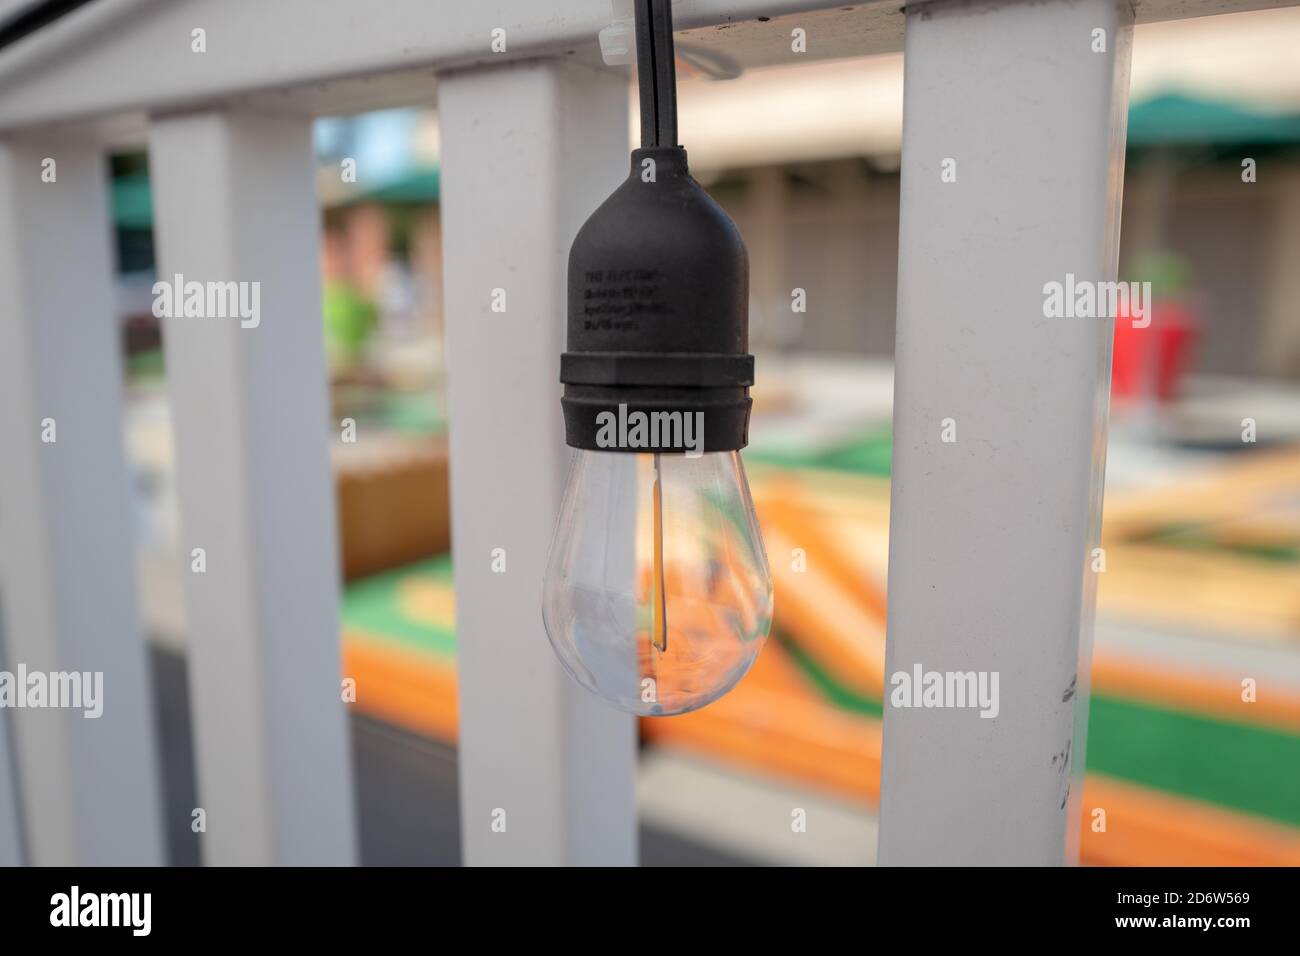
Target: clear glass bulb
column 657, row 594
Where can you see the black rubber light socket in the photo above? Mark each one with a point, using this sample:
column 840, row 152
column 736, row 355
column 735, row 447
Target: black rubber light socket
column 658, row 295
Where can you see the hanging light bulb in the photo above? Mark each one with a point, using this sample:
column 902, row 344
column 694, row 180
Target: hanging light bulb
column 657, row 595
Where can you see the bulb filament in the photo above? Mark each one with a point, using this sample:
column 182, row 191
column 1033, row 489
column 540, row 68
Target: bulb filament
column 659, row 611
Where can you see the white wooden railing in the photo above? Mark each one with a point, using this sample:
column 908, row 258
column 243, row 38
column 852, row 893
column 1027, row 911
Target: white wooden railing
column 989, row 536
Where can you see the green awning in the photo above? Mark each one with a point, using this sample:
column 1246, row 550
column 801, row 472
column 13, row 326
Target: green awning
column 1177, row 120
column 417, row 186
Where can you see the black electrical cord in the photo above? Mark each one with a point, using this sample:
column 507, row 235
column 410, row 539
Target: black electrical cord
column 35, row 16
column 656, row 72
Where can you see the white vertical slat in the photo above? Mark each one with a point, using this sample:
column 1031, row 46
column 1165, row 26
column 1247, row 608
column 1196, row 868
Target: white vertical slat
column 235, row 199
column 89, row 787
column 990, row 535
column 529, row 151
column 11, row 843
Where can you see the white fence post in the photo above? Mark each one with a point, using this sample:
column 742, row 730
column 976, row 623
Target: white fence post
column 529, row 151
column 1013, row 150
column 89, row 787
column 236, row 202
column 11, row 843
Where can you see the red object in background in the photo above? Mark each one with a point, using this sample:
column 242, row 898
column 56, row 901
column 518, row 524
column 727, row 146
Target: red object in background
column 1154, row 359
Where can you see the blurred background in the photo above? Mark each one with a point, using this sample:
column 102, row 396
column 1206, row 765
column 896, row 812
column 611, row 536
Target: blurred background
column 1202, row 517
